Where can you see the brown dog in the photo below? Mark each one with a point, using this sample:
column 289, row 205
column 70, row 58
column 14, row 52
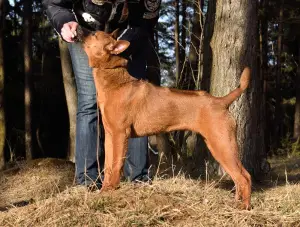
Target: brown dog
column 134, row 108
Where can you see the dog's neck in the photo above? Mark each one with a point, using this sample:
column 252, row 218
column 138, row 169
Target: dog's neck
column 106, row 78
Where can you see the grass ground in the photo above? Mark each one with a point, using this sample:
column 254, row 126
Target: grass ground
column 46, row 189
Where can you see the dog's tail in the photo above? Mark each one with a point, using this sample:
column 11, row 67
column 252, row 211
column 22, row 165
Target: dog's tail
column 244, row 82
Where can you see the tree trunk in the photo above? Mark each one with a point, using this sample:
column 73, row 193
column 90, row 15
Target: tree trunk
column 296, row 134
column 263, row 46
column 2, row 113
column 184, row 78
column 234, row 47
column 195, row 142
column 194, row 53
column 176, row 40
column 209, row 27
column 27, row 42
column 71, row 96
column 278, row 78
column 178, row 135
column 184, row 81
column 183, row 29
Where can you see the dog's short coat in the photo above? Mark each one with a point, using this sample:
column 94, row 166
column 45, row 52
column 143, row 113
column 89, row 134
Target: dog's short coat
column 133, row 108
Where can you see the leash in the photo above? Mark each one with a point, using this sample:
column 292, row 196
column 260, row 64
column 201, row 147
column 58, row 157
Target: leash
column 124, row 14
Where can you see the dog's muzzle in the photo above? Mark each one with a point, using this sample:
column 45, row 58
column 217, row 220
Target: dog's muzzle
column 82, row 33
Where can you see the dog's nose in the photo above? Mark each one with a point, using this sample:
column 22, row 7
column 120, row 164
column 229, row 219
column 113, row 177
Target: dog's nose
column 82, row 33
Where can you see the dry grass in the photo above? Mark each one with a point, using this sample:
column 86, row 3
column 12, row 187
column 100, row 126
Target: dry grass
column 36, row 181
column 167, row 202
column 285, row 168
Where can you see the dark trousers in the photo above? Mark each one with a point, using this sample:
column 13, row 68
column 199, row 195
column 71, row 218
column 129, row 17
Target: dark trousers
column 89, row 141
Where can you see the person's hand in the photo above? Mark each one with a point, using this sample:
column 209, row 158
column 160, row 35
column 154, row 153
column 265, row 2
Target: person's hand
column 68, row 31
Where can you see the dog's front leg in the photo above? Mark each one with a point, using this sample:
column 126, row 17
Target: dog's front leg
column 115, row 151
column 108, row 163
column 120, row 147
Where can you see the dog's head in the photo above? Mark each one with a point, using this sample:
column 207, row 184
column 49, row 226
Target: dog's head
column 103, row 49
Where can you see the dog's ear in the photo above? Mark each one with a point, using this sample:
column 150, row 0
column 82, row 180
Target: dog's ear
column 114, row 34
column 119, row 47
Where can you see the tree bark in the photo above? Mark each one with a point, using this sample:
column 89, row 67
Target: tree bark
column 71, row 96
column 263, row 46
column 184, row 78
column 183, row 29
column 194, row 53
column 176, row 40
column 178, row 135
column 278, row 78
column 234, row 47
column 27, row 40
column 209, row 27
column 2, row 77
column 296, row 134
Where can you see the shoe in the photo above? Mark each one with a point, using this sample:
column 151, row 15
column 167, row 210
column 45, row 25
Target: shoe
column 91, row 184
column 94, row 186
column 143, row 179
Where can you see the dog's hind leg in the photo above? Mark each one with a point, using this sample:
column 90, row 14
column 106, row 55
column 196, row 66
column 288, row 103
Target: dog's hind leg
column 228, row 159
column 224, row 148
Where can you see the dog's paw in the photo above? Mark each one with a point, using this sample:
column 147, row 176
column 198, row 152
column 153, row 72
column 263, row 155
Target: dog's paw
column 243, row 206
column 108, row 187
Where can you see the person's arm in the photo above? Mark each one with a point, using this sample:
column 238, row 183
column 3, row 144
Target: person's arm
column 59, row 13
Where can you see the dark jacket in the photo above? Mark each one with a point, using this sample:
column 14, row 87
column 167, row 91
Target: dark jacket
column 141, row 13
